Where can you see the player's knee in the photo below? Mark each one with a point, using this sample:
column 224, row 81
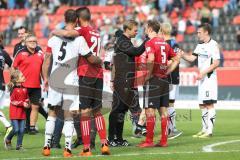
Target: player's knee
column 150, row 112
column 85, row 112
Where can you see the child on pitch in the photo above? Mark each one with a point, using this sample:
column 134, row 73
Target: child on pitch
column 18, row 102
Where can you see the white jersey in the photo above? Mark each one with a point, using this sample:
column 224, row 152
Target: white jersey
column 207, row 52
column 207, row 88
column 65, row 53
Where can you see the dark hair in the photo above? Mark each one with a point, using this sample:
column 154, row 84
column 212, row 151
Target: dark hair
column 23, row 27
column 70, row 16
column 154, row 25
column 206, row 27
column 129, row 24
column 84, row 13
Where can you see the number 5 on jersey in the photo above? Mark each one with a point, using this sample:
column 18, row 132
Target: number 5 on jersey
column 63, row 51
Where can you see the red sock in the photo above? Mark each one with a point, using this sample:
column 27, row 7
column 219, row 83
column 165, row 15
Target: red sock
column 101, row 128
column 150, row 128
column 85, row 130
column 164, row 130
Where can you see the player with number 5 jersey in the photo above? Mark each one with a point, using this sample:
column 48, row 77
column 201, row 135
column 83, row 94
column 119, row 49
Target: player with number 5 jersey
column 90, row 83
column 158, row 52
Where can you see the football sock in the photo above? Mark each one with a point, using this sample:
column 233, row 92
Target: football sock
column 69, row 126
column 49, row 129
column 171, row 119
column 85, row 130
column 204, row 119
column 164, row 126
column 211, row 120
column 101, row 127
column 150, row 128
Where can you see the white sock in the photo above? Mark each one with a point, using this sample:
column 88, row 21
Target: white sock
column 69, row 129
column 49, row 129
column 4, row 120
column 211, row 120
column 171, row 119
column 204, row 119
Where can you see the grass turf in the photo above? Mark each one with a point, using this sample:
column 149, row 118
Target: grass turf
column 183, row 148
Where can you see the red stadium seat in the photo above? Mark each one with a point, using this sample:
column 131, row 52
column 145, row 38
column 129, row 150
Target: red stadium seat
column 4, row 20
column 15, row 41
column 42, row 41
column 198, row 4
column 39, row 34
column 236, row 20
column 212, row 4
column 219, row 4
column 179, row 38
column 190, row 30
column 9, row 49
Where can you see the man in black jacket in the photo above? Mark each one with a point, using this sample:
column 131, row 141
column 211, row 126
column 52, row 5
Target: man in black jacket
column 123, row 73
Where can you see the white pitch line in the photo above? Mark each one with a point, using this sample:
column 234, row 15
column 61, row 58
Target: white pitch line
column 209, row 148
column 122, row 155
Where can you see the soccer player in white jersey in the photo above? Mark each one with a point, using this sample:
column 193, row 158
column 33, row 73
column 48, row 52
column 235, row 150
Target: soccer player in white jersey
column 65, row 54
column 207, row 52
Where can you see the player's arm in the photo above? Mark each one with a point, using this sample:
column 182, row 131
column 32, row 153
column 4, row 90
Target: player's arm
column 8, row 59
column 45, row 69
column 93, row 59
column 85, row 51
column 210, row 69
column 150, row 64
column 112, row 77
column 174, row 63
column 130, row 50
column 65, row 33
column 189, row 57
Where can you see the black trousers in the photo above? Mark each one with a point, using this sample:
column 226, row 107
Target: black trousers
column 124, row 99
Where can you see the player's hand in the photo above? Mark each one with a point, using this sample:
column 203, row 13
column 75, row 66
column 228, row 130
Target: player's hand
column 180, row 53
column 45, row 85
column 200, row 76
column 112, row 86
column 26, row 105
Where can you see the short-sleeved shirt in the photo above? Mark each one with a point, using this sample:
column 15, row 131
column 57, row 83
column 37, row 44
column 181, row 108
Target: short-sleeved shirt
column 4, row 59
column 31, row 66
column 206, row 53
column 66, row 54
column 162, row 53
column 93, row 40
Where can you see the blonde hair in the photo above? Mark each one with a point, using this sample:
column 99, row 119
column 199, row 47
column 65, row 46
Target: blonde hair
column 129, row 24
column 14, row 77
column 166, row 28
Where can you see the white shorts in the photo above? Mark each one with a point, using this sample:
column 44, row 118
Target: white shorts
column 2, row 96
column 67, row 101
column 208, row 90
column 173, row 91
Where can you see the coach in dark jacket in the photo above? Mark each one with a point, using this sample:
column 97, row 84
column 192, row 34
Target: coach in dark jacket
column 123, row 73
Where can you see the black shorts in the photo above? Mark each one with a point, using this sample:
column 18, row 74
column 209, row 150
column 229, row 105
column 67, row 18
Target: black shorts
column 90, row 92
column 158, row 93
column 35, row 95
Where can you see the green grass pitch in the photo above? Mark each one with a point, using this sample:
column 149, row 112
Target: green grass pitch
column 183, row 148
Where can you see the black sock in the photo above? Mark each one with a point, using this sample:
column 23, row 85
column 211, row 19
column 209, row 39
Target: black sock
column 32, row 127
column 43, row 112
